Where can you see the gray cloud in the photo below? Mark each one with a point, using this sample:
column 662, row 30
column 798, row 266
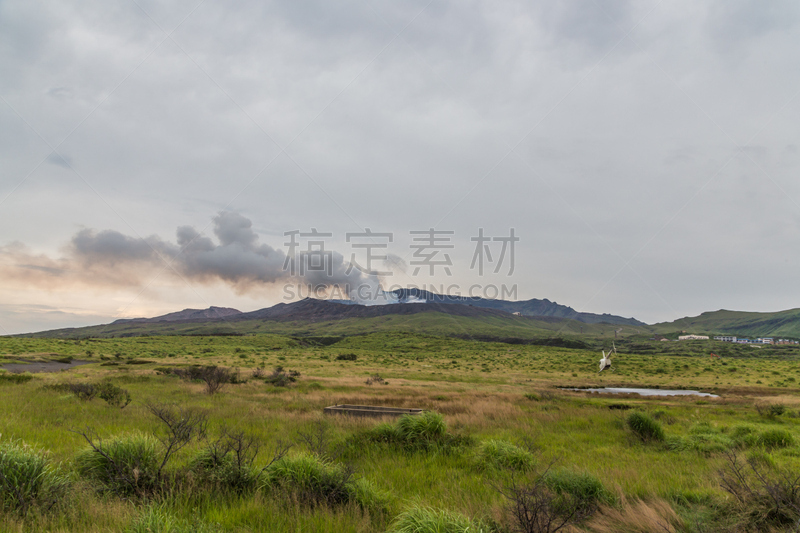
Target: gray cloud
column 238, row 259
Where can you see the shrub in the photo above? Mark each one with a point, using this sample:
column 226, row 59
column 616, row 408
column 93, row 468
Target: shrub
column 375, row 378
column 315, row 481
column 27, row 480
column 109, row 392
column 215, row 377
column 772, row 410
column 645, row 427
column 428, row 520
column 113, row 395
column 764, row 495
column 227, row 462
column 84, row 391
column 775, row 438
column 346, row 357
column 500, row 454
column 222, row 470
column 126, row 465
column 533, row 506
column 281, row 377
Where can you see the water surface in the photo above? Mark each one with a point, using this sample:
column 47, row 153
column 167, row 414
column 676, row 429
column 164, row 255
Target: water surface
column 646, row 392
column 35, row 367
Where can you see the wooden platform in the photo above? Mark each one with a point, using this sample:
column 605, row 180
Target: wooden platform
column 369, row 410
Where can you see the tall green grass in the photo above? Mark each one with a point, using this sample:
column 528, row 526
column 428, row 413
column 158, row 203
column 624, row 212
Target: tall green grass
column 158, row 519
column 420, row 519
column 313, row 481
column 27, row 479
column 126, row 465
column 645, row 427
column 502, row 455
column 422, row 432
column 583, row 487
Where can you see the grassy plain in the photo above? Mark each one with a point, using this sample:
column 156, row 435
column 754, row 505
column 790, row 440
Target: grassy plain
column 485, row 391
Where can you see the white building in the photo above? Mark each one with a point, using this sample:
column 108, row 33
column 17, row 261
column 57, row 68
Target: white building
column 693, row 338
column 725, row 338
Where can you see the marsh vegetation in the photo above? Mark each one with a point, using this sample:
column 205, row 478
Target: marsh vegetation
column 227, row 434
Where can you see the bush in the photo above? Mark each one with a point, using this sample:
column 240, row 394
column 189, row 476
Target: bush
column 346, row 357
column 314, row 481
column 84, row 391
column 281, row 377
column 113, row 395
column 227, row 462
column 645, row 427
column 771, row 410
column 126, row 465
column 375, row 378
column 27, row 480
column 429, row 520
column 502, row 455
column 215, row 377
column 222, row 470
column 549, row 502
column 764, row 495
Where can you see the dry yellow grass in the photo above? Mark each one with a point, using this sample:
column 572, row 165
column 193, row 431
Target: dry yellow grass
column 637, row 516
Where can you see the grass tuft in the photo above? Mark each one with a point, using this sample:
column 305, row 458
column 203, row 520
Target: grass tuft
column 502, row 455
column 125, row 465
column 584, row 489
column 645, row 427
column 775, row 438
column 27, row 480
column 428, row 520
column 314, row 481
column 423, row 432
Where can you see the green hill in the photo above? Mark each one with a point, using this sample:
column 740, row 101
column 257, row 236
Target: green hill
column 741, row 323
column 480, row 327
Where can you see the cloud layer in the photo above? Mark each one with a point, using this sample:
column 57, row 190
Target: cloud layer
column 646, row 152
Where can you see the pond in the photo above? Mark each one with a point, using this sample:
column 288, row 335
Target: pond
column 646, row 392
column 35, row 367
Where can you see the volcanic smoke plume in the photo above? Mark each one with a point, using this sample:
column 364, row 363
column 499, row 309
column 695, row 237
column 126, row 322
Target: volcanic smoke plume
column 110, row 258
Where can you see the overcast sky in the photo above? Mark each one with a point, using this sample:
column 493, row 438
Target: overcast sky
column 154, row 155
